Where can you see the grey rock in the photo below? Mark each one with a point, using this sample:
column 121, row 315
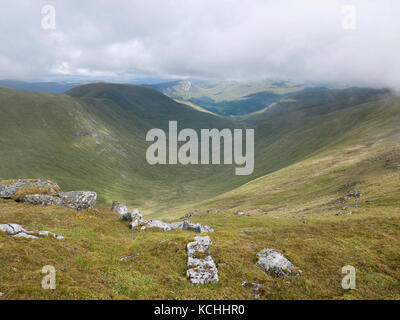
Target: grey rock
column 131, row 215
column 136, row 219
column 276, row 263
column 2, row 294
column 119, row 207
column 196, row 227
column 42, row 199
column 8, row 189
column 24, row 235
column 157, row 224
column 184, row 225
column 240, row 213
column 48, row 233
column 201, row 266
column 77, row 200
column 12, row 229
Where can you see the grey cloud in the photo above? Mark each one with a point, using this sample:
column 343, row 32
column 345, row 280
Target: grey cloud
column 302, row 40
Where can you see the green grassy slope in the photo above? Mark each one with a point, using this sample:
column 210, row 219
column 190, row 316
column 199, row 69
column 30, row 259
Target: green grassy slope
column 87, row 143
column 94, row 138
column 312, row 158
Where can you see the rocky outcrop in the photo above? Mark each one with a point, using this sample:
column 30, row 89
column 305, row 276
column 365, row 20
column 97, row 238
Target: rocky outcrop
column 16, row 231
column 195, row 227
column 119, row 207
column 184, row 225
column 136, row 219
column 157, row 224
column 42, row 199
column 276, row 264
column 77, row 200
column 201, row 266
column 46, row 192
column 9, row 187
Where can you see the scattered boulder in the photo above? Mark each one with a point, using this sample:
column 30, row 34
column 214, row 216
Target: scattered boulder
column 15, row 230
column 136, row 219
column 276, row 263
column 12, row 229
column 157, row 224
column 2, row 294
column 48, row 233
column 42, row 199
column 201, row 266
column 352, row 194
column 119, row 207
column 213, row 211
column 77, row 200
column 9, row 187
column 195, row 227
column 184, row 225
column 240, row 213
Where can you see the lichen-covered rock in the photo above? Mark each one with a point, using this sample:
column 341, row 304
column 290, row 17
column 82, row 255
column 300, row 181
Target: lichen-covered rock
column 131, row 215
column 136, row 219
column 201, row 266
column 77, row 200
column 276, row 263
column 195, row 227
column 119, row 208
column 157, row 224
column 9, row 187
column 184, row 225
column 12, row 229
column 43, row 200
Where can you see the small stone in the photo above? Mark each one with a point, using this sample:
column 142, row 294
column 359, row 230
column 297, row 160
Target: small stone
column 275, row 263
column 129, row 257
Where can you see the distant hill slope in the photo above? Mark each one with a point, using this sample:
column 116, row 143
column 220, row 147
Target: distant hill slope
column 230, row 97
column 93, row 138
column 49, row 87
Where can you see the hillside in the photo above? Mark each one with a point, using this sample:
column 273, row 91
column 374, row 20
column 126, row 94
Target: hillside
column 231, row 97
column 92, row 143
column 338, row 206
column 94, row 138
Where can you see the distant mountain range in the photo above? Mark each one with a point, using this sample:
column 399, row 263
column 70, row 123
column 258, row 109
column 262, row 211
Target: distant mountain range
column 232, row 97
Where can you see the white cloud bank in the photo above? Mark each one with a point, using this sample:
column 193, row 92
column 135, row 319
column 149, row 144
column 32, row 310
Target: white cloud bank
column 296, row 39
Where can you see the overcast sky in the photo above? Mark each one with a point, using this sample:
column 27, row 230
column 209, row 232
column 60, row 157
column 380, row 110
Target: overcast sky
column 314, row 40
